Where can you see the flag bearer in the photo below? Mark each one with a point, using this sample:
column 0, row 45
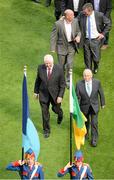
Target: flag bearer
column 78, row 169
column 28, row 168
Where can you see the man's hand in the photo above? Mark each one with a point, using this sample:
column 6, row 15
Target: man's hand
column 67, row 166
column 36, row 96
column 59, row 100
column 77, row 39
column 101, row 36
column 21, row 162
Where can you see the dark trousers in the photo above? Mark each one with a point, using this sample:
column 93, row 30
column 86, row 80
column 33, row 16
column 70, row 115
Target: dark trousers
column 46, row 114
column 48, row 2
column 92, row 119
column 106, row 38
column 57, row 4
column 92, row 53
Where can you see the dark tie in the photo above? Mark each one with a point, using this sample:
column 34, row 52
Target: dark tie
column 89, row 28
column 49, row 73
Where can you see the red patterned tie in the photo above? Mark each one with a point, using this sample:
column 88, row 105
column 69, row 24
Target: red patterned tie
column 49, row 73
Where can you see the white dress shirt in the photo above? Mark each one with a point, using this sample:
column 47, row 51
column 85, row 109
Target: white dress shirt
column 68, row 30
column 76, row 4
column 88, row 86
column 96, row 5
column 93, row 27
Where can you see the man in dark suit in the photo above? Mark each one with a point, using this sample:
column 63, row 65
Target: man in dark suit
column 49, row 88
column 64, row 38
column 94, row 25
column 89, row 91
column 57, row 5
column 74, row 5
column 104, row 6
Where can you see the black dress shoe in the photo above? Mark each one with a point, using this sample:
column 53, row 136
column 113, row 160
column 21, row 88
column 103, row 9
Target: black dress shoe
column 36, row 1
column 46, row 135
column 95, row 71
column 93, row 144
column 87, row 136
column 59, row 119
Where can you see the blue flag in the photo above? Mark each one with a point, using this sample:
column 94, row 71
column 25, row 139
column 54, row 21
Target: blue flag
column 30, row 138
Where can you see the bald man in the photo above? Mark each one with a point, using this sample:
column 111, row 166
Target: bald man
column 49, row 89
column 64, row 39
column 89, row 92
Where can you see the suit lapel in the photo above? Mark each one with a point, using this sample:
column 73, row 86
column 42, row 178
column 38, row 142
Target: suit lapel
column 45, row 72
column 93, row 87
column 85, row 89
column 84, row 24
column 64, row 30
column 53, row 72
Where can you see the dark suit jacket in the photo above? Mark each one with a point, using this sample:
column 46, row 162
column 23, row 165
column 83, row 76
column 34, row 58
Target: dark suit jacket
column 85, row 101
column 102, row 22
column 105, row 6
column 68, row 4
column 55, row 86
column 59, row 41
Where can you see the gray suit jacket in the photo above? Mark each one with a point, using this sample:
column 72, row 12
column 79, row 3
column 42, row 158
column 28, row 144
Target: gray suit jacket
column 55, row 86
column 102, row 22
column 59, row 41
column 85, row 101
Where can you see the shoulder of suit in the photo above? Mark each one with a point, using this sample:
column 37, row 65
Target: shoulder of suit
column 80, row 82
column 75, row 19
column 60, row 21
column 96, row 80
column 58, row 66
column 41, row 66
column 98, row 13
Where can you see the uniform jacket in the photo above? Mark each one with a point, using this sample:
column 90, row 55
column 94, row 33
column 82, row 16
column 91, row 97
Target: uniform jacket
column 55, row 86
column 25, row 172
column 105, row 6
column 59, row 41
column 85, row 101
column 76, row 174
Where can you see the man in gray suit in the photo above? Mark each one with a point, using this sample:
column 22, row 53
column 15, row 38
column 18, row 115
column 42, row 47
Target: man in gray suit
column 104, row 6
column 49, row 88
column 64, row 38
column 94, row 25
column 89, row 91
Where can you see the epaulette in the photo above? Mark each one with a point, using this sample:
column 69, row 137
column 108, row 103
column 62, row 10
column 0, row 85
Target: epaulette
column 85, row 164
column 37, row 163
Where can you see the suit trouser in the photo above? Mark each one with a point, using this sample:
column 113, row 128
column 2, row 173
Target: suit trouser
column 48, row 2
column 67, row 60
column 106, row 38
column 46, row 115
column 92, row 118
column 92, row 53
column 57, row 4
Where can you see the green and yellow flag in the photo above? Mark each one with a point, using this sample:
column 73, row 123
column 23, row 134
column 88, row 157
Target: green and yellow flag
column 78, row 121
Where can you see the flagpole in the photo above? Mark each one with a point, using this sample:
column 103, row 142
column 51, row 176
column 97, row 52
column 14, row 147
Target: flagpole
column 25, row 73
column 71, row 111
